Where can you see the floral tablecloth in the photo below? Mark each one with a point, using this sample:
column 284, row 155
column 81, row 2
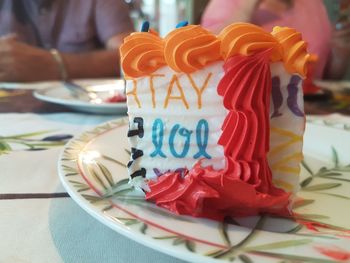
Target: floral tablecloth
column 39, row 222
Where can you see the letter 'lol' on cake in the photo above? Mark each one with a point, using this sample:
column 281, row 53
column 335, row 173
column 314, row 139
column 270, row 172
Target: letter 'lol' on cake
column 216, row 122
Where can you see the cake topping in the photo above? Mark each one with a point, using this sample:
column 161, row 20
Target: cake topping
column 190, row 48
column 182, row 24
column 142, row 53
column 295, row 56
column 247, row 39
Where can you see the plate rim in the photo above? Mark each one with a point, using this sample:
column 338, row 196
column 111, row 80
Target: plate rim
column 119, row 227
column 39, row 94
column 114, row 225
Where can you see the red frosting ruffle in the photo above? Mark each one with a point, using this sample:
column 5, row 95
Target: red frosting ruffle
column 205, row 192
column 245, row 186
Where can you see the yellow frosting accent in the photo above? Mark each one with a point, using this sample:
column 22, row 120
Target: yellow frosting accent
column 283, row 158
column 279, row 165
column 293, row 138
column 190, row 48
column 199, row 90
column 288, row 169
column 286, row 133
column 133, row 93
column 283, row 184
column 152, row 89
column 247, row 39
column 175, row 82
column 295, row 56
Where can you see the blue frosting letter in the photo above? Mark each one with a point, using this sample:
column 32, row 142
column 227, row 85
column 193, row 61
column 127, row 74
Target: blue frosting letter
column 183, row 132
column 202, row 139
column 157, row 138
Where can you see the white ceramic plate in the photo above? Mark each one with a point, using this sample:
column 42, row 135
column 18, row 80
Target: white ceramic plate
column 334, row 86
column 58, row 94
column 92, row 169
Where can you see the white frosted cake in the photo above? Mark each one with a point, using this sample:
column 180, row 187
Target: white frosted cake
column 216, row 122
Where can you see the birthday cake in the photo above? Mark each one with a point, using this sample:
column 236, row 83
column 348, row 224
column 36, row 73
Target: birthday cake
column 216, row 123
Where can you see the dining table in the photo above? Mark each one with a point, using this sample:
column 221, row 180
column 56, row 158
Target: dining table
column 39, row 221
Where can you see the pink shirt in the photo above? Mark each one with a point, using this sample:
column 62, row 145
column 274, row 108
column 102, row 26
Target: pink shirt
column 307, row 16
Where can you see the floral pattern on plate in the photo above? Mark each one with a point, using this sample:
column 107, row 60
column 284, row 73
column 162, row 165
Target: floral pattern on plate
column 93, row 170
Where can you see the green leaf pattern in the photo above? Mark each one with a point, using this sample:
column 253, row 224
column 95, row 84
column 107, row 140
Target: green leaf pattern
column 31, row 142
column 246, row 250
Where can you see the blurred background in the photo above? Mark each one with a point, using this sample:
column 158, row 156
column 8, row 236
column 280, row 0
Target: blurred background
column 60, row 75
column 65, row 40
column 164, row 14
column 48, row 34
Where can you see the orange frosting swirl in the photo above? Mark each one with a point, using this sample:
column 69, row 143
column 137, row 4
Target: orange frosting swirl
column 141, row 54
column 247, row 39
column 295, row 56
column 190, row 48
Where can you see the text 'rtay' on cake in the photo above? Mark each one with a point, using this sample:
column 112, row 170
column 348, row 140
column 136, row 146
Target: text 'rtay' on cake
column 216, row 122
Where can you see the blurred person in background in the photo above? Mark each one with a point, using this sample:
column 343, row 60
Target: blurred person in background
column 55, row 39
column 329, row 42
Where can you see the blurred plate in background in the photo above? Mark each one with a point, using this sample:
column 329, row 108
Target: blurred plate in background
column 105, row 90
column 337, row 87
column 340, row 90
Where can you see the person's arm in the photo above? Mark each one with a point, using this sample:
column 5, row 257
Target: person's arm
column 97, row 64
column 20, row 62
column 113, row 23
column 340, row 53
column 221, row 13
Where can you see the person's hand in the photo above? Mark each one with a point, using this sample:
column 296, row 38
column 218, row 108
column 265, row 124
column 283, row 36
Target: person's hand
column 340, row 51
column 20, row 62
column 341, row 41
